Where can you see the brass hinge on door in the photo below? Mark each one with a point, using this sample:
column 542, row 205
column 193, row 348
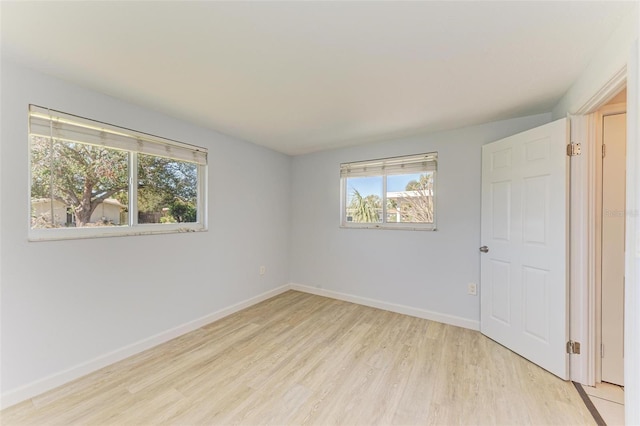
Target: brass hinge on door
column 573, row 347
column 573, row 149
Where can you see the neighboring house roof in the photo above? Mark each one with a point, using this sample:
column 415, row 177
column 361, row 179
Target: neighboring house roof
column 405, row 194
column 111, row 201
column 114, row 202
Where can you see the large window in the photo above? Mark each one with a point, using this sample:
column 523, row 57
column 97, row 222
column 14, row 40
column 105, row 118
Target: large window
column 396, row 193
column 92, row 179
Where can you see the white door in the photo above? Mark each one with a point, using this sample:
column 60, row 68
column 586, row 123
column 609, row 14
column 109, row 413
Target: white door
column 613, row 224
column 524, row 228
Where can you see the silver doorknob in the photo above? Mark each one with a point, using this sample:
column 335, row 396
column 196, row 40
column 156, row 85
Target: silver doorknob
column 484, row 249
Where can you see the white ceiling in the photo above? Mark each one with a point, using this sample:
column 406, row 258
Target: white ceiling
column 305, row 76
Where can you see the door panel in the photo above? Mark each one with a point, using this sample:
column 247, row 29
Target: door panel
column 500, row 291
column 524, row 224
column 500, row 204
column 536, row 193
column 534, row 283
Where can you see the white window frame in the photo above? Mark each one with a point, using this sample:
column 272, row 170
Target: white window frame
column 419, row 163
column 49, row 123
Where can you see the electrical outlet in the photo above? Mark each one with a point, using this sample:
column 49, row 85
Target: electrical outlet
column 472, row 289
column 263, row 269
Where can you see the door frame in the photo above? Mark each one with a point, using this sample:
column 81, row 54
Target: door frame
column 584, row 239
column 582, row 280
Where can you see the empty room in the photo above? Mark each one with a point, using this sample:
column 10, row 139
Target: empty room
column 347, row 213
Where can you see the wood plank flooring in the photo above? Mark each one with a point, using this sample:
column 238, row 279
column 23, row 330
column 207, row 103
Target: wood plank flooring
column 301, row 359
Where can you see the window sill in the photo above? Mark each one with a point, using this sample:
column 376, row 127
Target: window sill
column 57, row 234
column 391, row 227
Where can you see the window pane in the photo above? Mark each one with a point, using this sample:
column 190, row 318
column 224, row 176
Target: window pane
column 410, row 198
column 82, row 172
column 167, row 190
column 77, row 185
column 364, row 199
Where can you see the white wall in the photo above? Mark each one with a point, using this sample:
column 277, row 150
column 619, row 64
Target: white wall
column 422, row 270
column 65, row 303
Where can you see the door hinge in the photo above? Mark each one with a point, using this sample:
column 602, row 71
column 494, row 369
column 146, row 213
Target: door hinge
column 601, row 350
column 573, row 149
column 573, row 347
column 604, row 150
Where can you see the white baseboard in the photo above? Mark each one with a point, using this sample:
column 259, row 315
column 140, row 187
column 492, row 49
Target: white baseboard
column 32, row 389
column 400, row 309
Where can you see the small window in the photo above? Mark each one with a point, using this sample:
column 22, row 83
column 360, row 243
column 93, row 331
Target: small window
column 91, row 179
column 391, row 193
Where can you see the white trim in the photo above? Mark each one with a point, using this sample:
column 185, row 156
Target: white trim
column 611, row 88
column 608, row 62
column 393, row 307
column 37, row 387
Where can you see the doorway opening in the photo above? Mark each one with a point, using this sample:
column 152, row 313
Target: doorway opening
column 610, row 240
column 603, row 378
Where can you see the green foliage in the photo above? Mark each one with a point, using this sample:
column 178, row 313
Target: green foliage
column 79, row 175
column 425, row 182
column 162, row 180
column 183, row 212
column 168, row 219
column 364, row 209
column 82, row 176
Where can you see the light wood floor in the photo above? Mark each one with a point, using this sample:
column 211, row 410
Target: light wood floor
column 304, row 359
